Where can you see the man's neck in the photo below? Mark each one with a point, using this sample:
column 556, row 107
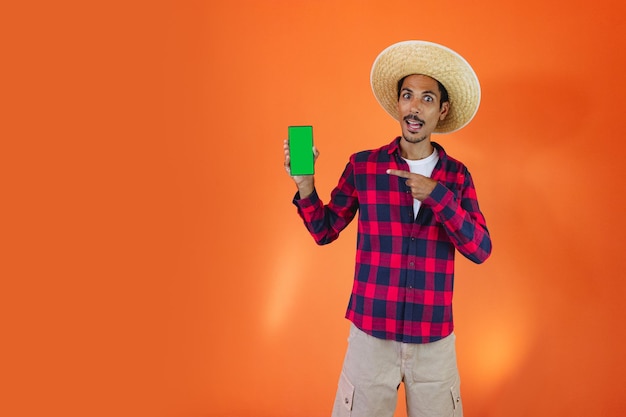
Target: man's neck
column 416, row 151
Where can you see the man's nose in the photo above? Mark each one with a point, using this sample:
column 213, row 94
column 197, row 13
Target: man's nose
column 416, row 106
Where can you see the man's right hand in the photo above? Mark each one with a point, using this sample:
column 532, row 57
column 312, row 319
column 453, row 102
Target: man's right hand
column 305, row 183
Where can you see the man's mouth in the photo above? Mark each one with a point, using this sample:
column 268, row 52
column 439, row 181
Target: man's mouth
column 413, row 123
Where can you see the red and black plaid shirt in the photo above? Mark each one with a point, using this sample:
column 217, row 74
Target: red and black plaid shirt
column 404, row 275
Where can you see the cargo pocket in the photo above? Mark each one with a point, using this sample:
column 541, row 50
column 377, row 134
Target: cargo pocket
column 457, row 404
column 346, row 390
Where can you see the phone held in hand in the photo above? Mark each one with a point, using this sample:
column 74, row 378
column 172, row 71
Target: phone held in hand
column 301, row 150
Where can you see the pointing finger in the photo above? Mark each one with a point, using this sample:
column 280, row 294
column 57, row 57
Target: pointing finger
column 399, row 173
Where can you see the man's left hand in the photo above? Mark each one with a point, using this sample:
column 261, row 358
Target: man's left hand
column 420, row 186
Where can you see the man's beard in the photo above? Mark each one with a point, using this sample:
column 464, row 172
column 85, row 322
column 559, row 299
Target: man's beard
column 414, row 140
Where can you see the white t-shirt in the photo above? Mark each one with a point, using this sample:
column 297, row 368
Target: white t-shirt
column 423, row 167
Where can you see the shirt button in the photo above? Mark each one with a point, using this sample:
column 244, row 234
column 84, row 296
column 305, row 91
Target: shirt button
column 411, row 263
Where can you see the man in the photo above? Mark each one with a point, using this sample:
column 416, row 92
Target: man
column 416, row 206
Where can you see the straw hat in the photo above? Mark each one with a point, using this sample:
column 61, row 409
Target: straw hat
column 436, row 61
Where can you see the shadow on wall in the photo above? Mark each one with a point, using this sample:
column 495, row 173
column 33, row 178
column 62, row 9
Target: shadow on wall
column 546, row 339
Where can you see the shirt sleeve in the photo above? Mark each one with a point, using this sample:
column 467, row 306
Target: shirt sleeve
column 325, row 222
column 462, row 219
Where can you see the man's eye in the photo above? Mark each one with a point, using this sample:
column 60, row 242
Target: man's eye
column 428, row 98
column 406, row 96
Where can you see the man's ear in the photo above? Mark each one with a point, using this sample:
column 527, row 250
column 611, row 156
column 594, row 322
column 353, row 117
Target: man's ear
column 445, row 107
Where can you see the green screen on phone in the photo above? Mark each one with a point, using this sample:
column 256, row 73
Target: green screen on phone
column 301, row 150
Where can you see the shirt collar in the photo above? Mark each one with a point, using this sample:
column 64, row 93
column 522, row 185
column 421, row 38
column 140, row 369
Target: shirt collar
column 394, row 147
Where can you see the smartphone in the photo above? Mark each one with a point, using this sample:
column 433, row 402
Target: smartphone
column 301, row 150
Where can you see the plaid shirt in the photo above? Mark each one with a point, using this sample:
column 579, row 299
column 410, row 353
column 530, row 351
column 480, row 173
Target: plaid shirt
column 404, row 273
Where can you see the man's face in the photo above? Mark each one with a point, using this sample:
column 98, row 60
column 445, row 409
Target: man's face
column 420, row 107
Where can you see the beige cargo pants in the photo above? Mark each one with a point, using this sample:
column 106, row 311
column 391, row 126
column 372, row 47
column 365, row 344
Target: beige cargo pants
column 374, row 368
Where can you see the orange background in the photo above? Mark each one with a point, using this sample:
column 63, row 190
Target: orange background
column 152, row 262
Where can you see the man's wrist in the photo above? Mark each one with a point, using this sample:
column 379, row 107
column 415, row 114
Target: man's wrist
column 305, row 191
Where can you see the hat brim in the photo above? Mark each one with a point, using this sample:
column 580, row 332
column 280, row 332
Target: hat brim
column 436, row 61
